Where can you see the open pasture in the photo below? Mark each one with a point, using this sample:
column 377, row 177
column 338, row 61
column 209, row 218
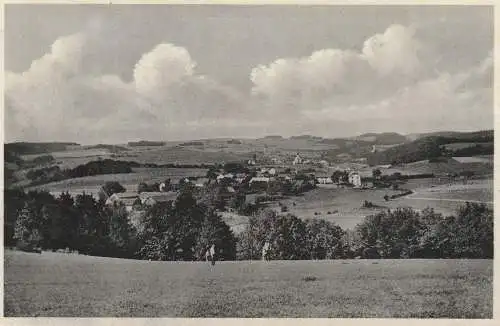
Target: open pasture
column 479, row 165
column 345, row 205
column 81, row 152
column 66, row 285
column 179, row 155
column 473, row 190
column 72, row 158
column 129, row 181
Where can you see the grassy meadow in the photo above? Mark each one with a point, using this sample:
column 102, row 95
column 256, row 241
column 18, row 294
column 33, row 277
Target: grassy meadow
column 345, row 205
column 129, row 181
column 66, row 285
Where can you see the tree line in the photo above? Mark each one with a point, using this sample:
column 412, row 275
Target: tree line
column 183, row 229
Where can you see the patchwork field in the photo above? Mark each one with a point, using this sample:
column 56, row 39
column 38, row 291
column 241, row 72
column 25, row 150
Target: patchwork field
column 345, row 208
column 480, row 165
column 66, row 285
column 130, row 181
column 179, row 155
column 170, row 153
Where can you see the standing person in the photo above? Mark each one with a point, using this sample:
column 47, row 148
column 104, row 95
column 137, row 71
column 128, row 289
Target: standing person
column 212, row 254
column 265, row 250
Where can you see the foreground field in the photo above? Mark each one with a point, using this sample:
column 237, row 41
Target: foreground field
column 70, row 285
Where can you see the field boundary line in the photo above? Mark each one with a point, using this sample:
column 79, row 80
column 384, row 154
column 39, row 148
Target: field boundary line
column 451, row 199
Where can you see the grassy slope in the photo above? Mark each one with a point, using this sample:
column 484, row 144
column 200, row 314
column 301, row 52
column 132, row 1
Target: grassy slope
column 345, row 204
column 69, row 285
column 130, row 181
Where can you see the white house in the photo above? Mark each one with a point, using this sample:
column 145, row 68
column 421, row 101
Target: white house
column 201, row 182
column 151, row 198
column 297, row 160
column 355, row 179
column 275, row 160
column 259, row 179
column 324, row 163
column 125, row 198
column 324, row 180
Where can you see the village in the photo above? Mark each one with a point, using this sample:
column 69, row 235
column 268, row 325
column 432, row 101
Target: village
column 234, row 184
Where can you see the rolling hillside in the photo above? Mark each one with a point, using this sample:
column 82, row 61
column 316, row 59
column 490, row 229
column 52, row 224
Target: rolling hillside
column 435, row 147
column 387, row 138
column 66, row 285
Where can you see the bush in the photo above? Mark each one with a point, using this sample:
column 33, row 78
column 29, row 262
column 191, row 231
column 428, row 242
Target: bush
column 368, row 204
column 406, row 233
column 286, row 235
column 323, row 239
column 113, row 187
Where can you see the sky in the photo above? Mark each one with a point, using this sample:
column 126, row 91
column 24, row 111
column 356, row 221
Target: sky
column 118, row 73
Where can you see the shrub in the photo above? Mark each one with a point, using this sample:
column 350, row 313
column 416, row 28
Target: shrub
column 113, row 187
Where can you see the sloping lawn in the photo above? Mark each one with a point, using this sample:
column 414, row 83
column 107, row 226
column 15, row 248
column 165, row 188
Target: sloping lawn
column 53, row 284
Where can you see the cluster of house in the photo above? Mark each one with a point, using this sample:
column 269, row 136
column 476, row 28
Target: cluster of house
column 354, row 179
column 260, row 179
column 129, row 199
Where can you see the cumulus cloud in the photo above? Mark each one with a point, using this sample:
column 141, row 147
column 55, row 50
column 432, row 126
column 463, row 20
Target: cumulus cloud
column 388, row 60
column 56, row 99
column 163, row 66
column 390, row 84
column 396, row 51
column 462, row 101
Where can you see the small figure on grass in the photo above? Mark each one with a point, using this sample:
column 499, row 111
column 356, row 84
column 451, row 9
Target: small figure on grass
column 210, row 254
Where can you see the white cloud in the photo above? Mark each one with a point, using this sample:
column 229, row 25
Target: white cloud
column 396, row 51
column 387, row 61
column 163, row 66
column 390, row 84
column 55, row 100
column 460, row 101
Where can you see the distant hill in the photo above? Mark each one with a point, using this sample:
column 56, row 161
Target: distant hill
column 306, row 137
column 434, row 147
column 23, row 148
column 273, row 137
column 111, row 148
column 477, row 135
column 146, row 143
column 192, row 143
column 387, row 138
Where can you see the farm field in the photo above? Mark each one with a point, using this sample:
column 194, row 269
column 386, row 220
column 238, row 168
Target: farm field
column 178, row 155
column 83, row 152
column 345, row 208
column 474, row 190
column 129, row 181
column 65, row 285
column 151, row 154
column 72, row 158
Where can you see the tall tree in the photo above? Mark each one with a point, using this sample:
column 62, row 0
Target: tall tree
column 27, row 232
column 323, row 239
column 215, row 231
